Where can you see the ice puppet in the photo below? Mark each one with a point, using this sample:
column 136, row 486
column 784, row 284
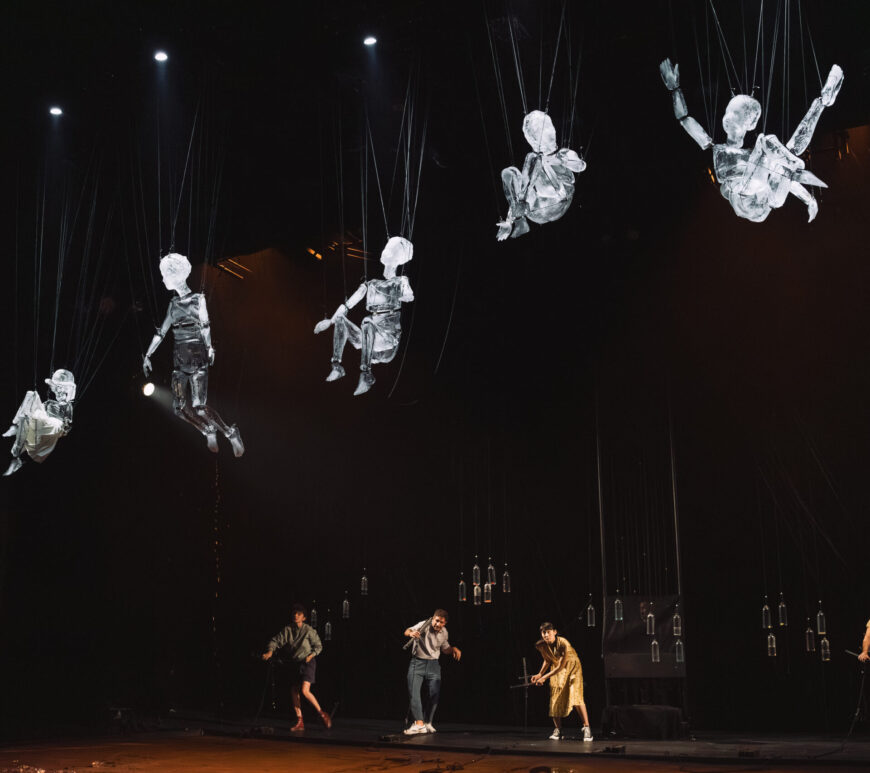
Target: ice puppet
column 193, row 354
column 37, row 426
column 543, row 191
column 757, row 180
column 378, row 337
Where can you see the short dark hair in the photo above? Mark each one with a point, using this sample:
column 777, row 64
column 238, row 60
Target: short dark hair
column 297, row 607
column 547, row 627
column 441, row 613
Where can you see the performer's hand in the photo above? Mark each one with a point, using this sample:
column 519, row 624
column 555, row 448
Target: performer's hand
column 146, row 366
column 267, row 655
column 414, row 634
column 309, row 658
column 863, row 657
column 457, row 653
column 322, row 325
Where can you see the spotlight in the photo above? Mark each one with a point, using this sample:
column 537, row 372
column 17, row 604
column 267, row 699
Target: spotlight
column 148, row 389
column 161, row 56
column 370, row 40
column 55, row 111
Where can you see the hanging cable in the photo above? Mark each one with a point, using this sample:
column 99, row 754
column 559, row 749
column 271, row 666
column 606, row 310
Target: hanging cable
column 556, row 56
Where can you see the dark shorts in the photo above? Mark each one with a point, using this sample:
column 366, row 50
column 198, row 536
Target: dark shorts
column 303, row 672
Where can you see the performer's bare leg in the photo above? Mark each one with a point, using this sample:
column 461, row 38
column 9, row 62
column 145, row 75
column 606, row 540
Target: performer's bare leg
column 309, row 696
column 581, row 710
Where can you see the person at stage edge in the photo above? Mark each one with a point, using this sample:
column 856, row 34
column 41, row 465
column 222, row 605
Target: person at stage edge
column 428, row 643
column 865, row 645
column 300, row 643
column 566, row 679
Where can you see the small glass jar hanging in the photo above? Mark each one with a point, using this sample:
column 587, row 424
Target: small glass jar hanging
column 364, row 584
column 506, row 581
column 655, row 652
column 680, row 651
column 312, row 618
column 345, row 607
column 650, row 621
column 475, row 573
column 771, row 645
column 617, row 608
column 810, row 637
column 821, row 623
column 487, row 593
column 327, row 628
column 463, row 591
column 478, row 596
column 782, row 612
column 677, row 623
column 490, row 573
column 825, row 649
column 765, row 616
column 590, row 613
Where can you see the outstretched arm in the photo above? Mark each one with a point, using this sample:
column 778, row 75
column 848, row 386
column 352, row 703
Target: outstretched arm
column 671, row 77
column 155, row 342
column 342, row 309
column 804, row 132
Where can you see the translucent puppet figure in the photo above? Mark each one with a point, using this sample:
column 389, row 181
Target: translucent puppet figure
column 192, row 355
column 543, row 191
column 759, row 179
column 38, row 426
column 378, row 337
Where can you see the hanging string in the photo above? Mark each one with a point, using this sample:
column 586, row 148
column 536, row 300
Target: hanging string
column 183, row 179
column 813, row 49
column 452, row 304
column 726, row 53
column 339, row 165
column 758, row 36
column 556, row 56
column 377, row 175
column 706, row 82
column 772, row 66
column 499, row 82
column 495, row 190
column 364, row 185
column 516, row 56
column 600, row 524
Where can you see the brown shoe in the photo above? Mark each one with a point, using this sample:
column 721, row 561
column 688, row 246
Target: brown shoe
column 300, row 725
column 327, row 720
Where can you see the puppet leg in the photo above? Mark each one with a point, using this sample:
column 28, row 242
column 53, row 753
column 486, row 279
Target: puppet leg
column 366, row 379
column 209, row 417
column 343, row 331
column 512, row 182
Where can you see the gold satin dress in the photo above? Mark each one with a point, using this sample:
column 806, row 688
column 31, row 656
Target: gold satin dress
column 566, row 686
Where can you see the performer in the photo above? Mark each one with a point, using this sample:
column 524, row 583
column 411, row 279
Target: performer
column 301, row 644
column 566, row 679
column 865, row 645
column 429, row 642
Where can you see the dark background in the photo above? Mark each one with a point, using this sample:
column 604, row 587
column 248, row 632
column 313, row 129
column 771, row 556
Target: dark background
column 137, row 569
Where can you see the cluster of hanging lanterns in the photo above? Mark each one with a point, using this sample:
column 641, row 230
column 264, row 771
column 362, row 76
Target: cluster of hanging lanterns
column 650, row 626
column 482, row 593
column 821, row 629
column 345, row 608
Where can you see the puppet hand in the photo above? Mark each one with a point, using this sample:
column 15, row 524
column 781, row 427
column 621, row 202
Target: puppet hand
column 832, row 86
column 146, row 366
column 670, row 74
column 504, row 230
column 322, row 325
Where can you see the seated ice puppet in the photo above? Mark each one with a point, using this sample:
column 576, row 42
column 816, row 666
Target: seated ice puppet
column 758, row 180
column 543, row 191
column 378, row 337
column 38, row 426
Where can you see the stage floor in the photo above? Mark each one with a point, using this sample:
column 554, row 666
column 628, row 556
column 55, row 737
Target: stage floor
column 192, row 741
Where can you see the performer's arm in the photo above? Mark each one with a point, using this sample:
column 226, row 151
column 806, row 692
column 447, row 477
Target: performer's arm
column 865, row 646
column 316, row 645
column 447, row 649
column 155, row 342
column 276, row 642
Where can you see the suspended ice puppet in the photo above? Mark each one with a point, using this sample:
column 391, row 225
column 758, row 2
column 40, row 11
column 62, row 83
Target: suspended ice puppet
column 759, row 179
column 193, row 354
column 378, row 337
column 37, row 426
column 543, row 190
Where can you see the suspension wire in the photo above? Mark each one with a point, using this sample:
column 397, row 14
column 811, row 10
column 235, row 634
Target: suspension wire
column 452, row 305
column 786, row 53
column 419, row 171
column 517, row 63
column 499, row 85
column 15, row 321
column 677, row 551
column 184, row 179
column 726, row 53
column 364, row 187
column 803, row 53
column 143, row 237
column 772, row 64
column 495, row 191
column 402, row 128
column 758, row 36
column 39, row 240
column 743, row 35
column 601, row 523
column 576, row 77
column 556, row 56
column 339, row 166
column 706, row 83
column 813, row 49
column 322, row 203
column 377, row 176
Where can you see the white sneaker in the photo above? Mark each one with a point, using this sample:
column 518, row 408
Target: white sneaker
column 587, row 733
column 429, row 728
column 557, row 735
column 416, row 729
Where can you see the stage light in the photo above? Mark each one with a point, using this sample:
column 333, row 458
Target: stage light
column 55, row 111
column 161, row 56
column 370, row 40
column 148, row 389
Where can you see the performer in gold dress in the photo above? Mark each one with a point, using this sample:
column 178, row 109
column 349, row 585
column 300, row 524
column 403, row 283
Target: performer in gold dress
column 562, row 667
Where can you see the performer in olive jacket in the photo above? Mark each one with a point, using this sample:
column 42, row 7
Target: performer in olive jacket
column 300, row 643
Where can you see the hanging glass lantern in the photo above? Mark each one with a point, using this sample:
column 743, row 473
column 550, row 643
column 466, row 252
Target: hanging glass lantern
column 506, row 581
column 810, row 636
column 463, row 594
column 680, row 651
column 313, row 616
column 364, row 584
column 345, row 607
column 765, row 616
column 478, row 596
column 487, row 593
column 825, row 649
column 650, row 621
column 475, row 573
column 677, row 623
column 327, row 628
column 654, row 651
column 821, row 623
column 771, row 645
column 590, row 613
column 490, row 573
column 617, row 608
column 782, row 612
